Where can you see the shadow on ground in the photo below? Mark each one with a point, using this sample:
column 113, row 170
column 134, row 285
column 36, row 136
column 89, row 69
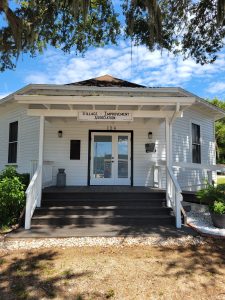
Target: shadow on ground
column 33, row 277
column 203, row 261
column 186, row 270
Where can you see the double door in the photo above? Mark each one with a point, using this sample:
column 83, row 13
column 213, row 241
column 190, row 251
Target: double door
column 110, row 158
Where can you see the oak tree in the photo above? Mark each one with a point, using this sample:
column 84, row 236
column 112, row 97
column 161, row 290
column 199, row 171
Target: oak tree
column 193, row 28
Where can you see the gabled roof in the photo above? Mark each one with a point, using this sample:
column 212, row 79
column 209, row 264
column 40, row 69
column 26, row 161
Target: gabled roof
column 106, row 81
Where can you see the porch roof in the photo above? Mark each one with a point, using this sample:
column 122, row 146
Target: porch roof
column 107, row 92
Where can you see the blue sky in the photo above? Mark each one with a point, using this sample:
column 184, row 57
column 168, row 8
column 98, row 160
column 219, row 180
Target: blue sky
column 149, row 68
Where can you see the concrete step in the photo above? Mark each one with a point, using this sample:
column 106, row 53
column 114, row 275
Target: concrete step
column 87, row 221
column 101, row 210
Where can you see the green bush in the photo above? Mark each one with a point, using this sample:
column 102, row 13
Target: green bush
column 218, row 207
column 214, row 197
column 211, row 193
column 221, row 187
column 12, row 196
column 11, row 172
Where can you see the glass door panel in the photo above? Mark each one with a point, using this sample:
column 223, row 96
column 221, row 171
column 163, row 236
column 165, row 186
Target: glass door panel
column 110, row 158
column 122, row 144
column 102, row 161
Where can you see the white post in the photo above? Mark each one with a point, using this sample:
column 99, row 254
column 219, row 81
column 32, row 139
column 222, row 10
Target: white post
column 27, row 214
column 168, row 155
column 40, row 154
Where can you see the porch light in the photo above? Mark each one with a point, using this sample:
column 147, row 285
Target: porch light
column 60, row 133
column 150, row 135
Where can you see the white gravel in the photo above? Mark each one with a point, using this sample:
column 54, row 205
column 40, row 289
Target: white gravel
column 202, row 222
column 28, row 244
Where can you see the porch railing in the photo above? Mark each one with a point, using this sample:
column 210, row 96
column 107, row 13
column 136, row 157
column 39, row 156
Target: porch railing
column 47, row 176
column 174, row 197
column 33, row 196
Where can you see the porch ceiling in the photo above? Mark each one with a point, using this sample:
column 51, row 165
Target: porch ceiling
column 69, row 106
column 79, row 107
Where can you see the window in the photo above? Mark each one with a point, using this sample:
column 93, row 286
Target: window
column 196, row 144
column 75, row 149
column 13, row 140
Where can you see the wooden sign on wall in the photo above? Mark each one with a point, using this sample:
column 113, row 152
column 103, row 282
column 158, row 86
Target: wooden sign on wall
column 105, row 116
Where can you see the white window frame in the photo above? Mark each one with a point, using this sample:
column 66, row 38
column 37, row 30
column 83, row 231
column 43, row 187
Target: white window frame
column 17, row 143
column 194, row 121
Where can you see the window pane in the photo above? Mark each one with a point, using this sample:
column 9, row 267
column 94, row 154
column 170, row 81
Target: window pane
column 102, row 138
column 196, row 154
column 195, row 134
column 102, row 157
column 12, row 154
column 122, row 156
column 13, row 132
column 196, row 147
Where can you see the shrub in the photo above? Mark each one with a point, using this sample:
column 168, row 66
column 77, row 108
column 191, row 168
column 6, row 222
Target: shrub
column 211, row 194
column 12, row 196
column 221, row 187
column 11, row 172
column 215, row 197
column 218, row 207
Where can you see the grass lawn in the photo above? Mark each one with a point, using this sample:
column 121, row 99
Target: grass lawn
column 220, row 179
column 124, row 273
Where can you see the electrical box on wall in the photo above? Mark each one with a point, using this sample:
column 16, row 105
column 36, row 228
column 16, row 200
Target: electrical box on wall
column 150, row 147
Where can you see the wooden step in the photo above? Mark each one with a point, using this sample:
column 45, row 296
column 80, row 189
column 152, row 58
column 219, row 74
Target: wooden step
column 87, row 221
column 93, row 206
column 101, row 210
column 104, row 202
column 102, row 195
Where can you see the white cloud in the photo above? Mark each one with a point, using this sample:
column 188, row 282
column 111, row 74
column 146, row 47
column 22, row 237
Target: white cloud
column 149, row 68
column 216, row 87
column 37, row 77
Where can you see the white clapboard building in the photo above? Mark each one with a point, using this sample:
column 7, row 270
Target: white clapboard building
column 110, row 133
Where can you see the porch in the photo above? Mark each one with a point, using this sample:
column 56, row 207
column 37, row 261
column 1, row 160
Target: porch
column 102, row 211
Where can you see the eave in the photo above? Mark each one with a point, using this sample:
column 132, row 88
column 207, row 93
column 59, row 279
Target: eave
column 103, row 100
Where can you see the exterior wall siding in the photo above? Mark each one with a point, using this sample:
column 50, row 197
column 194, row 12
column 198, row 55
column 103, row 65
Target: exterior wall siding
column 28, row 136
column 190, row 173
column 57, row 150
